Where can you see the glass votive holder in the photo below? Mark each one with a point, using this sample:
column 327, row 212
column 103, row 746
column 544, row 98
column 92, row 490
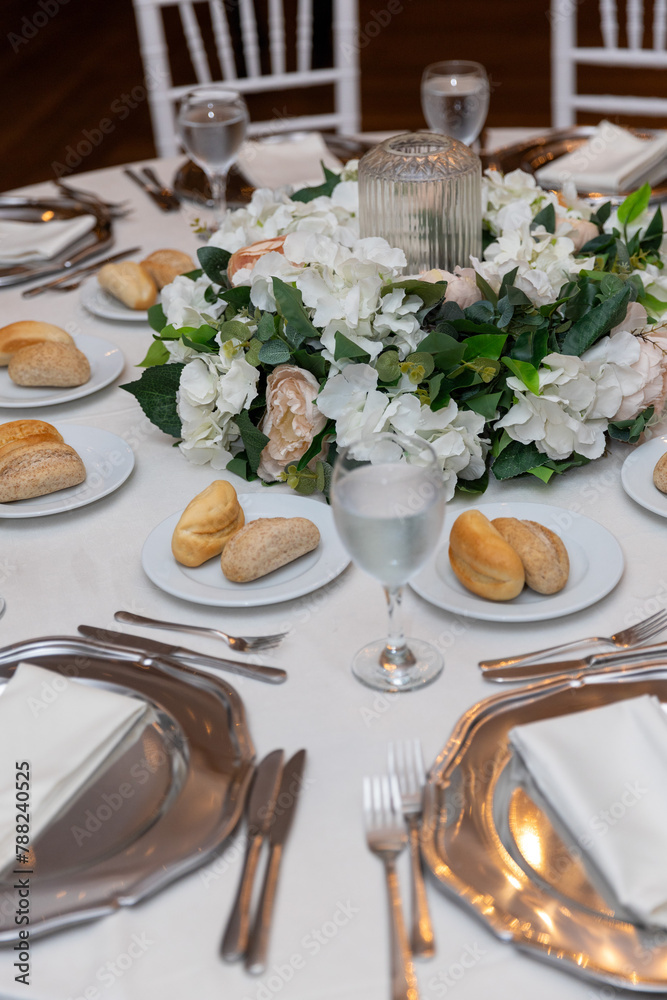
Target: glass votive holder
column 422, row 192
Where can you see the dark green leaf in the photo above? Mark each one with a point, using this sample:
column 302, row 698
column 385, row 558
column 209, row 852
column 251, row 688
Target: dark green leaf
column 237, row 297
column 314, row 363
column 451, row 311
column 652, row 237
column 508, row 279
column 214, row 262
column 630, row 430
column 480, row 312
column 599, row 244
column 506, row 310
column 201, row 348
column 387, row 366
column 622, row 254
column 290, row 306
column 596, row 323
column 156, row 394
column 486, row 345
column 485, row 404
column 474, row 485
column 326, row 188
column 485, row 289
column 266, row 327
column 157, row 354
column 547, row 218
column 516, row 459
column 531, row 346
column 434, row 385
column 193, row 275
column 600, row 217
column 634, row 204
column 435, row 342
column 156, row 318
column 293, row 336
column 316, row 445
column 274, row 352
column 204, row 334
column 347, row 349
column 239, row 466
column 234, row 329
column 253, row 439
column 431, row 293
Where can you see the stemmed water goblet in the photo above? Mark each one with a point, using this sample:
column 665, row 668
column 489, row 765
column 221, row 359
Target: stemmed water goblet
column 455, row 98
column 212, row 122
column 388, row 506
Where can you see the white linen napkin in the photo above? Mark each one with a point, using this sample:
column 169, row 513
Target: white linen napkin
column 604, row 773
column 612, row 160
column 66, row 731
column 273, row 163
column 22, row 242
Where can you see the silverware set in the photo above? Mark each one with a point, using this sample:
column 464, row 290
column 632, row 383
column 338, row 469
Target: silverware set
column 269, row 814
column 164, row 197
column 239, row 643
column 73, row 278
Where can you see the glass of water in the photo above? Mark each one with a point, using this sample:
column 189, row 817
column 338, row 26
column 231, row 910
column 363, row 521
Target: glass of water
column 388, row 506
column 212, row 123
column 455, row 98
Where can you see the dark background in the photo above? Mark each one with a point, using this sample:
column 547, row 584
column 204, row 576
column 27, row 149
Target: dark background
column 83, row 65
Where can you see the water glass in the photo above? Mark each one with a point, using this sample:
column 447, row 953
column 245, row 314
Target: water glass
column 455, row 98
column 212, row 123
column 388, row 506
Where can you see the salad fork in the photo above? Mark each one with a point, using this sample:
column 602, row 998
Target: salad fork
column 387, row 836
column 407, row 763
column 241, row 643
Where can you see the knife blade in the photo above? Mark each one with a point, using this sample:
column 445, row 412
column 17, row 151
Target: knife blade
column 535, row 671
column 290, row 786
column 273, row 675
column 75, row 272
column 261, row 804
column 165, row 204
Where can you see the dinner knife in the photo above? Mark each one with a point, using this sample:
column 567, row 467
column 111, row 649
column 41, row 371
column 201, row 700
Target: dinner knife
column 535, row 671
column 78, row 272
column 164, row 203
column 261, row 804
column 290, row 786
column 273, row 675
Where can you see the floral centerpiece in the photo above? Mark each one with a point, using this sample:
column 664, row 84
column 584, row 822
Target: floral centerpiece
column 524, row 362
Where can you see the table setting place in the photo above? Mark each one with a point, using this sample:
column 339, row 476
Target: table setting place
column 377, row 427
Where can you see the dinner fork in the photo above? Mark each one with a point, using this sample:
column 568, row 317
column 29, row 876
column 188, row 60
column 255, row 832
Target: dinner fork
column 117, row 209
column 241, row 643
column 635, row 635
column 387, row 836
column 406, row 762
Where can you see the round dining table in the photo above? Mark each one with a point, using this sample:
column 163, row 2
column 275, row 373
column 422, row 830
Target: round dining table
column 330, row 937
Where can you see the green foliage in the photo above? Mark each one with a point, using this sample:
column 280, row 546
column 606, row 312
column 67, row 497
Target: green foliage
column 155, row 392
column 253, row 440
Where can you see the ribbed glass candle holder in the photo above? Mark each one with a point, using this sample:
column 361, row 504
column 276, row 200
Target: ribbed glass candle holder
column 423, row 193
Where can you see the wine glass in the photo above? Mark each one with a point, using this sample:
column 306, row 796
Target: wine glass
column 212, row 122
column 455, row 98
column 388, row 506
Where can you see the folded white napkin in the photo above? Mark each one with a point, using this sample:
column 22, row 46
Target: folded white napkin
column 22, row 242
column 273, row 163
column 612, row 160
column 65, row 730
column 604, row 773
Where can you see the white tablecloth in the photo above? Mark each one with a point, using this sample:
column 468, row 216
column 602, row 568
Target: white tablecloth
column 330, row 936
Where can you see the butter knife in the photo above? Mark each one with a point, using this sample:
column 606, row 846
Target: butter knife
column 535, row 671
column 290, row 786
column 273, row 675
column 261, row 804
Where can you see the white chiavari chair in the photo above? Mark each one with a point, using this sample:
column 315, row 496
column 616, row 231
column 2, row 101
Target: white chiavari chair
column 258, row 70
column 638, row 42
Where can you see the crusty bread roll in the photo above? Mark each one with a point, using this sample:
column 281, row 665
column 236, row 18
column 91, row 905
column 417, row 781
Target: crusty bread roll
column 49, row 363
column 543, row 554
column 28, row 331
column 660, row 473
column 267, row 544
column 207, row 524
column 34, row 460
column 482, row 560
column 130, row 283
column 164, row 265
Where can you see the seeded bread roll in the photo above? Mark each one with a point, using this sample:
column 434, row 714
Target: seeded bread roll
column 26, row 332
column 164, row 265
column 207, row 524
column 482, row 560
column 660, row 474
column 267, row 544
column 49, row 363
column 33, row 468
column 543, row 554
column 130, row 283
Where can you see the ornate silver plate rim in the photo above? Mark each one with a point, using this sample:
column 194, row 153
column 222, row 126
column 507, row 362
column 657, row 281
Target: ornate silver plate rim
column 190, row 826
column 469, row 851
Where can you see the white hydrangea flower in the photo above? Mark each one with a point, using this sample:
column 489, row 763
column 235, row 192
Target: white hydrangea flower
column 353, row 400
column 184, row 302
column 237, row 387
column 207, row 435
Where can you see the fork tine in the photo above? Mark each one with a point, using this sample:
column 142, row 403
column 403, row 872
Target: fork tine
column 650, row 626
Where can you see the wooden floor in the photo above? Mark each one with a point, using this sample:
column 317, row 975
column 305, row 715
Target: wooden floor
column 68, row 65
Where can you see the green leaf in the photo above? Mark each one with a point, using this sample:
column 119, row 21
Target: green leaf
column 526, row 372
column 234, row 329
column 516, row 459
column 274, row 352
column 436, row 342
column 316, row 445
column 531, row 345
column 193, row 275
column 157, row 354
column 156, row 318
column 487, row 345
column 634, row 204
column 630, row 430
column 485, row 404
column 451, row 311
column 424, row 359
column 172, row 333
column 508, row 279
column 347, row 349
column 204, row 334
column 312, row 362
column 485, row 289
column 596, row 323
column 480, row 312
column 623, row 254
column 474, row 485
column 547, row 218
column 252, row 352
column 214, row 262
column 201, row 348
column 388, row 367
column 430, row 292
column 600, row 217
column 155, row 392
column 237, row 297
column 253, row 439
column 239, row 466
column 293, row 337
column 290, row 306
column 542, row 472
column 652, row 236
column 599, row 244
column 653, row 305
column 266, row 327
column 326, row 188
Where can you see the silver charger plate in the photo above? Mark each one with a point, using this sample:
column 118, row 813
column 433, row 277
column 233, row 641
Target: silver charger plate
column 492, row 846
column 20, row 209
column 531, row 154
column 163, row 808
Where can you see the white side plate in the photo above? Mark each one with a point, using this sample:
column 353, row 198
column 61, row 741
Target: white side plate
column 637, row 475
column 101, row 303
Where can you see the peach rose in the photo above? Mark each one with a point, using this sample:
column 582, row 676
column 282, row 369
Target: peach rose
column 461, row 285
column 291, row 420
column 248, row 256
column 581, row 231
column 635, row 319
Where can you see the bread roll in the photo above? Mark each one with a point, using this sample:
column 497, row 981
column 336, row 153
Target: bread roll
column 543, row 554
column 267, row 544
column 26, row 332
column 164, row 265
column 660, row 473
column 482, row 560
column 34, row 469
column 207, row 524
column 17, row 432
column 130, row 283
column 49, row 363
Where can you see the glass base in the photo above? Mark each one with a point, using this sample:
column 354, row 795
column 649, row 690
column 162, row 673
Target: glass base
column 367, row 668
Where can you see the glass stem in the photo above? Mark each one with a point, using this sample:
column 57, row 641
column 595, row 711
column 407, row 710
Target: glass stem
column 218, row 184
column 395, row 654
